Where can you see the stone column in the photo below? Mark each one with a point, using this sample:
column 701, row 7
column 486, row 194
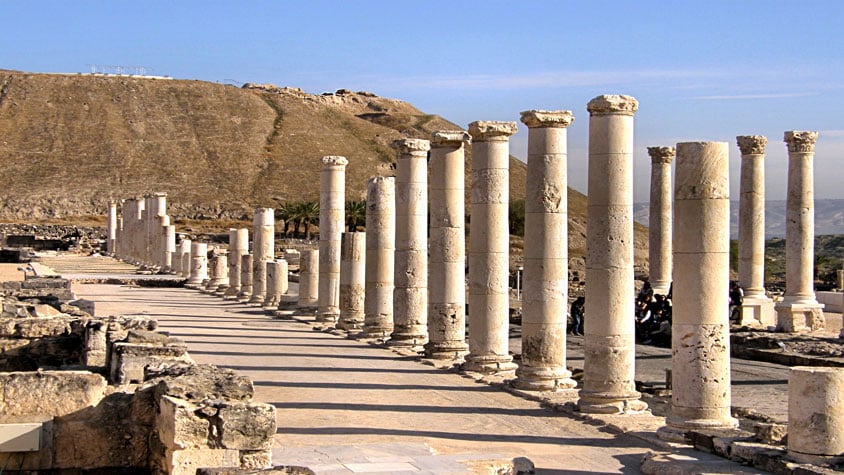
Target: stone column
column 757, row 308
column 223, row 271
column 609, row 345
column 199, row 264
column 447, row 256
column 489, row 249
column 184, row 258
column 700, row 330
column 218, row 266
column 111, row 228
column 246, row 275
column 816, row 415
column 263, row 250
column 799, row 310
column 410, row 297
column 238, row 246
column 168, row 244
column 332, row 221
column 659, row 220
column 380, row 256
column 352, row 281
column 308, row 278
column 159, row 219
column 276, row 278
column 545, row 297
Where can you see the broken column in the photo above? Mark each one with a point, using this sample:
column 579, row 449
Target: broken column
column 799, row 309
column 700, row 330
column 410, row 297
column 111, row 228
column 276, row 282
column 756, row 307
column 352, row 280
column 332, row 220
column 545, row 297
column 816, row 415
column 380, row 256
column 308, row 278
column 263, row 250
column 184, row 258
column 238, row 246
column 489, row 249
column 609, row 384
column 199, row 263
column 168, row 246
column 218, row 276
column 447, row 257
column 659, row 219
column 246, row 275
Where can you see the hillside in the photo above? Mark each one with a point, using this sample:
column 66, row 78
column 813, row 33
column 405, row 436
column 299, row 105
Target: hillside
column 72, row 142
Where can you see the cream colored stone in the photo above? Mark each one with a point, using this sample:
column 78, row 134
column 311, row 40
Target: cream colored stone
column 352, row 281
column 608, row 366
column 659, row 222
column 332, row 212
column 111, row 228
column 263, row 250
column 238, row 246
column 380, row 256
column 544, row 300
column 169, row 247
column 199, row 263
column 308, row 278
column 816, row 415
column 246, row 261
column 276, row 282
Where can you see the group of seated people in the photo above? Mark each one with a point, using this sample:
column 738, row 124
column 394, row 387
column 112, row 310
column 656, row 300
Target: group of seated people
column 653, row 317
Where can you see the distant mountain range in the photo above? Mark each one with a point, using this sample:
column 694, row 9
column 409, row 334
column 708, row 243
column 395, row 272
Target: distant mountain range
column 829, row 217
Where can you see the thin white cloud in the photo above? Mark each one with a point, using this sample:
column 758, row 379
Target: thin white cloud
column 778, row 95
column 831, row 133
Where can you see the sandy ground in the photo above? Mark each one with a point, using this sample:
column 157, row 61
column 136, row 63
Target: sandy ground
column 10, row 272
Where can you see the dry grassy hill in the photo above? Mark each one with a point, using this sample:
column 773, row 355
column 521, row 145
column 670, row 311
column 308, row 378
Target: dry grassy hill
column 72, row 142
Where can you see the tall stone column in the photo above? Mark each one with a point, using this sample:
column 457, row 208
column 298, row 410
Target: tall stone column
column 238, row 246
column 609, row 384
column 380, row 256
column 545, row 297
column 447, row 256
column 757, row 308
column 308, row 278
column 700, row 330
column 199, row 264
column 332, row 220
column 799, row 309
column 489, row 249
column 263, row 250
column 410, row 297
column 222, row 266
column 659, row 221
column 185, row 247
column 246, row 276
column 352, row 280
column 159, row 236
column 168, row 244
column 111, row 228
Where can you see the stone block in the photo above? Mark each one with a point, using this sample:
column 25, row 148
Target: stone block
column 256, row 460
column 128, row 360
column 249, row 426
column 39, row 396
column 199, row 382
column 44, row 311
column 179, row 425
column 86, row 306
column 187, row 462
column 42, row 327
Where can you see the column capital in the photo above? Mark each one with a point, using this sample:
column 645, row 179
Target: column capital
column 449, row 138
column 492, row 131
column 547, row 119
column 411, row 145
column 613, row 104
column 159, row 194
column 801, row 140
column 752, row 144
column 661, row 154
column 334, row 160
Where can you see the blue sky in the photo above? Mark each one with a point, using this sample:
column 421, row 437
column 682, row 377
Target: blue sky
column 700, row 70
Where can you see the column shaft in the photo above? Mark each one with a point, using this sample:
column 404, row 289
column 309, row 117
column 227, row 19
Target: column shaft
column 263, row 249
column 199, row 263
column 238, row 246
column 380, row 256
column 332, row 217
column 111, row 231
column 309, row 278
column 246, row 275
column 659, row 219
column 352, row 281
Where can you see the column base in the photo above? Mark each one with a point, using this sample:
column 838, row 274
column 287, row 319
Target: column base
column 350, row 323
column 327, row 317
column 243, row 297
column 232, row 291
column 376, row 331
column 532, row 378
column 408, row 339
column 611, row 403
column 446, row 350
column 676, row 428
column 256, row 298
column 221, row 290
column 796, row 317
column 489, row 364
column 270, row 304
column 815, row 459
column 758, row 312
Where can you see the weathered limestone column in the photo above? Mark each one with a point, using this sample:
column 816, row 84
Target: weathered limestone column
column 199, row 263
column 700, row 330
column 489, row 249
column 111, row 228
column 380, row 256
column 238, row 246
column 659, row 220
column 263, row 249
column 308, row 278
column 352, row 280
column 184, row 258
column 332, row 220
column 816, row 415
column 609, row 345
column 168, row 245
column 545, row 297
column 799, row 310
column 246, row 275
column 410, row 297
column 218, row 268
column 276, row 280
column 447, row 256
column 756, row 308
column 223, row 271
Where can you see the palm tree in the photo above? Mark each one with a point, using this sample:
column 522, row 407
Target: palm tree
column 284, row 212
column 355, row 214
column 308, row 212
